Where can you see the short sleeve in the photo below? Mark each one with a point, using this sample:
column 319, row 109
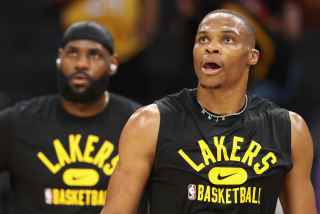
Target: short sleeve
column 7, row 117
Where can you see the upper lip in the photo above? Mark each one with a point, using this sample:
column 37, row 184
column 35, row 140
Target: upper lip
column 211, row 60
column 79, row 76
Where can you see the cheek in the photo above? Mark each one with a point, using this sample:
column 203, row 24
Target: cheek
column 67, row 66
column 99, row 69
column 196, row 56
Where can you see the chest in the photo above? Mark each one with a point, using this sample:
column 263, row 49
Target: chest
column 57, row 160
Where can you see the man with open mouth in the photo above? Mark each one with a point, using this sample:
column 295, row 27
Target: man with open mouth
column 215, row 149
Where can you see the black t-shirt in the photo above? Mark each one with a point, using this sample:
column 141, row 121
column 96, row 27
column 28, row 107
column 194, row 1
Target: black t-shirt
column 232, row 166
column 61, row 163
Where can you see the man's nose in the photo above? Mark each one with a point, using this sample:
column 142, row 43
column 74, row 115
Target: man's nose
column 214, row 47
column 82, row 62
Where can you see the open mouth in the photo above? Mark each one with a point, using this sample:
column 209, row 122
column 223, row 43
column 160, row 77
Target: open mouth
column 211, row 66
column 79, row 79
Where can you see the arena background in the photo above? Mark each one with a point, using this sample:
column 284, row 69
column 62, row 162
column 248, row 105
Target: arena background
column 154, row 40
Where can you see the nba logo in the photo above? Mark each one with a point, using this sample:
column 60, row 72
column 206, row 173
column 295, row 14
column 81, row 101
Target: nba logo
column 192, row 192
column 48, row 196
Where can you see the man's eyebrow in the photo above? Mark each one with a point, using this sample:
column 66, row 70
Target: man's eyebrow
column 71, row 47
column 230, row 31
column 202, row 32
column 95, row 50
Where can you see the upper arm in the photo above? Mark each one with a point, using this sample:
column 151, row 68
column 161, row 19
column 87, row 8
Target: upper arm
column 136, row 151
column 297, row 195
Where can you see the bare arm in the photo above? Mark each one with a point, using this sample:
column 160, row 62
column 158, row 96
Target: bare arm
column 297, row 194
column 136, row 151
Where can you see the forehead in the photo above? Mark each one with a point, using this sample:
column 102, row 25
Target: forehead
column 218, row 21
column 85, row 44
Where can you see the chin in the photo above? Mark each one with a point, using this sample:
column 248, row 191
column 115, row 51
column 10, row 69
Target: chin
column 79, row 89
column 211, row 86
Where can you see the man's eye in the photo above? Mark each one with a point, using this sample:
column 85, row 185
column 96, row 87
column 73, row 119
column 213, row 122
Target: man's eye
column 94, row 56
column 203, row 39
column 228, row 40
column 72, row 54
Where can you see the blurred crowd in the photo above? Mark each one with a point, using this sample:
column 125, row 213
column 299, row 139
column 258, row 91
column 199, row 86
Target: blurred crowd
column 154, row 40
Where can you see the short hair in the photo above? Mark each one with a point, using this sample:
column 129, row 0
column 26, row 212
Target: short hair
column 246, row 22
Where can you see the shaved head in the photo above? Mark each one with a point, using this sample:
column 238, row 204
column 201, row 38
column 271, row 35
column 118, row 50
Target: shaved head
column 248, row 25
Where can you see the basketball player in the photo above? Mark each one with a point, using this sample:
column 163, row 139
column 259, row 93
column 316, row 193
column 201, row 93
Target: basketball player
column 215, row 149
column 62, row 149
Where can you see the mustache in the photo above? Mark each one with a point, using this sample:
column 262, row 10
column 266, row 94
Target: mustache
column 79, row 71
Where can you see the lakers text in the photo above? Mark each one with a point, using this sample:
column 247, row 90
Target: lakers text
column 251, row 153
column 76, row 155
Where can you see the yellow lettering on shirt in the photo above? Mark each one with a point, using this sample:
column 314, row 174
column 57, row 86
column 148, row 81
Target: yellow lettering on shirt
column 88, row 193
column 220, row 192
column 249, row 154
column 62, row 155
column 107, row 169
column 79, row 197
column 248, row 197
column 206, row 152
column 89, row 148
column 75, row 197
column 235, row 147
column 53, row 168
column 189, row 161
column 207, row 194
column 254, row 195
column 220, row 146
column 224, row 196
column 94, row 198
column 200, row 192
column 55, row 196
column 75, row 152
column 101, row 198
column 242, row 194
column 103, row 154
column 69, row 197
column 235, row 190
column 62, row 200
column 214, row 199
column 81, row 202
column 228, row 196
column 265, row 163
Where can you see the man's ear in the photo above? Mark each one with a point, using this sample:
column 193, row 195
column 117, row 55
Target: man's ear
column 114, row 63
column 58, row 60
column 253, row 57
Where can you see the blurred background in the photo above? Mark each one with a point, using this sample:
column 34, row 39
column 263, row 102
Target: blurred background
column 154, row 40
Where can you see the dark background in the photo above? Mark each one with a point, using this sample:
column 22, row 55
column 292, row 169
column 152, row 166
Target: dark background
column 160, row 61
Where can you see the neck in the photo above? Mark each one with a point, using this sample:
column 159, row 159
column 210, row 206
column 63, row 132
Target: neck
column 222, row 101
column 84, row 109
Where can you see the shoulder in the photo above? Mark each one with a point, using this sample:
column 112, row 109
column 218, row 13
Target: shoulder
column 145, row 118
column 298, row 125
column 301, row 141
column 176, row 102
column 124, row 102
column 32, row 105
column 267, row 108
column 297, row 121
column 142, row 129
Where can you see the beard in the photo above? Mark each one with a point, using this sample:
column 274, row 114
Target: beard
column 210, row 87
column 91, row 94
